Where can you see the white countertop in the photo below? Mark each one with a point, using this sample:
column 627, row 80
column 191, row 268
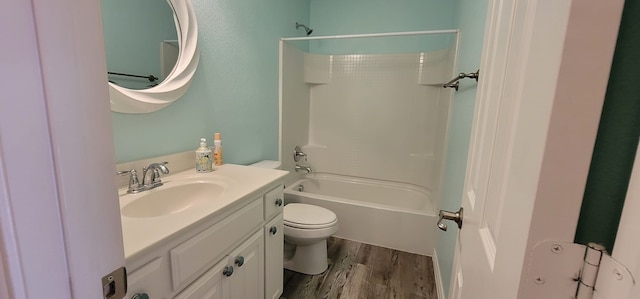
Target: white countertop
column 238, row 182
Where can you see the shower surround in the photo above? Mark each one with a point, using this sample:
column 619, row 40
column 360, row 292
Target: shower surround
column 378, row 117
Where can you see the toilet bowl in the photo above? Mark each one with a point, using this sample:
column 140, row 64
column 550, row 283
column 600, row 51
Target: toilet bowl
column 306, row 230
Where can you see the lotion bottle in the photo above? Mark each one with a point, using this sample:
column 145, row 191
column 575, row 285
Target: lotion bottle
column 217, row 150
column 203, row 157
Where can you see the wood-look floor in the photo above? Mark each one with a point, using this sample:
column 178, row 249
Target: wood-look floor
column 359, row 270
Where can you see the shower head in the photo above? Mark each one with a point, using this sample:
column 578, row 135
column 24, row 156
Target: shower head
column 306, row 29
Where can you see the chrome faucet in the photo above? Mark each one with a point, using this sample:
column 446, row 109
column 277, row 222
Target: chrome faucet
column 150, row 180
column 305, row 168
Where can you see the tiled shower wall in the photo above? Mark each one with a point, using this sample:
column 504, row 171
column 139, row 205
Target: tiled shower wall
column 380, row 116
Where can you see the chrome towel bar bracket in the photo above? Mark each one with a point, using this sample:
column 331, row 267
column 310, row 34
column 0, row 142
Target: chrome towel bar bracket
column 455, row 84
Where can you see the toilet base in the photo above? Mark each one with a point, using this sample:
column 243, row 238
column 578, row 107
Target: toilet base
column 309, row 259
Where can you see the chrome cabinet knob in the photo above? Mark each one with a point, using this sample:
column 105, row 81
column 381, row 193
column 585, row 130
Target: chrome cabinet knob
column 279, row 202
column 239, row 261
column 228, row 271
column 273, row 230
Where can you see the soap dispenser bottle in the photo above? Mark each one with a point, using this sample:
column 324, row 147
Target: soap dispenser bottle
column 203, row 157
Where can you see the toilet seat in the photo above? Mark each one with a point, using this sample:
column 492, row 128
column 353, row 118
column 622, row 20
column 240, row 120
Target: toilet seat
column 304, row 216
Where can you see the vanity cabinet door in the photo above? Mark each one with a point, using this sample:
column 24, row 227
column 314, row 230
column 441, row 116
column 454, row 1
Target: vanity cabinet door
column 247, row 260
column 213, row 284
column 274, row 251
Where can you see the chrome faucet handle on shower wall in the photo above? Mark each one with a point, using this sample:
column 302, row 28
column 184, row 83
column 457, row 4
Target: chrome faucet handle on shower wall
column 297, row 153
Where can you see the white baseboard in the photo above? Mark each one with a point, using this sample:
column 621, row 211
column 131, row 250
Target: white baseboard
column 438, row 277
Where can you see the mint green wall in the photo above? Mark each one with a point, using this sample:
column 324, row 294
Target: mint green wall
column 332, row 17
column 337, row 17
column 383, row 45
column 471, row 15
column 234, row 91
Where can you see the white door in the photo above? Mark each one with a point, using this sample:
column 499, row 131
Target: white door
column 543, row 77
column 60, row 229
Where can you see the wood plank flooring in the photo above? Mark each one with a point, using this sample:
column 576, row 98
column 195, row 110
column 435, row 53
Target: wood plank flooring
column 365, row 271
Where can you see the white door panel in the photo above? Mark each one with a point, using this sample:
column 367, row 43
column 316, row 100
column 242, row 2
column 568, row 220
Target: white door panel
column 489, row 149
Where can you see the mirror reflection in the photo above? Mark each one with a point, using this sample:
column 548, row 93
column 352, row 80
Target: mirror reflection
column 141, row 41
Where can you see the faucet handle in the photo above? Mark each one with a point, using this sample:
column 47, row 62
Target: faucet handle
column 134, row 183
column 159, row 165
column 297, row 153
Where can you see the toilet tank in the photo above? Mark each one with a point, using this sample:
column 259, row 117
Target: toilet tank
column 268, row 164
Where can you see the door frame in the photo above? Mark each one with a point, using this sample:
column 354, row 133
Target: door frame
column 60, row 230
column 626, row 249
column 560, row 69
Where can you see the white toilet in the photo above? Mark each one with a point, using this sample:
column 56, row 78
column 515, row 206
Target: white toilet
column 306, row 230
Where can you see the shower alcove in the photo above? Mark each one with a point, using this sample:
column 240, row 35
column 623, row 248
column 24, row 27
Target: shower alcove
column 370, row 113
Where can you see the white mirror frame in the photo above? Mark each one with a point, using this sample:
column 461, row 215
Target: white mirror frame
column 125, row 100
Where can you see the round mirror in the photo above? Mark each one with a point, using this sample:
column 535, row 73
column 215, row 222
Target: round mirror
column 141, row 42
column 151, row 54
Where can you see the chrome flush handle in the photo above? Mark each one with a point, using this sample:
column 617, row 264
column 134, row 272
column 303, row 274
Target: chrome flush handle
column 453, row 216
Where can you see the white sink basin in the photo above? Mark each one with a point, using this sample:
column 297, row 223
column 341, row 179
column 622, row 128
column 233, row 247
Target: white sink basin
column 172, row 198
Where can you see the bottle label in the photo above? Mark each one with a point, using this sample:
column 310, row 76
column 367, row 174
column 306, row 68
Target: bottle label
column 217, row 155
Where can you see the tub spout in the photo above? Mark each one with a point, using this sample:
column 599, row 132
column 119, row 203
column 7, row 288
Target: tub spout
column 305, row 168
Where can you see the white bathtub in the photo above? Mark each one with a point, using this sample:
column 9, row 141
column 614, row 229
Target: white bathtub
column 388, row 214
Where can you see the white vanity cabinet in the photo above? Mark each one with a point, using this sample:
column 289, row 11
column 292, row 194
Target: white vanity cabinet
column 237, row 254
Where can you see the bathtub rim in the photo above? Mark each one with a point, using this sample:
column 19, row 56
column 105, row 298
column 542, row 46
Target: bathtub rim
column 290, row 189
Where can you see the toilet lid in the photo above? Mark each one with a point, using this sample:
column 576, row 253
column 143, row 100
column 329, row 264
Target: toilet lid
column 308, row 216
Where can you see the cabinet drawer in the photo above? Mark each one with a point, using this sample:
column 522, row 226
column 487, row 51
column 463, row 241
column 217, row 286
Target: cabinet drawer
column 150, row 279
column 213, row 284
column 273, row 202
column 191, row 258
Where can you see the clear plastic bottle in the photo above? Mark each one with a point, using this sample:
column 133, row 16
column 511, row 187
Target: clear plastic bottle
column 217, row 149
column 203, row 157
